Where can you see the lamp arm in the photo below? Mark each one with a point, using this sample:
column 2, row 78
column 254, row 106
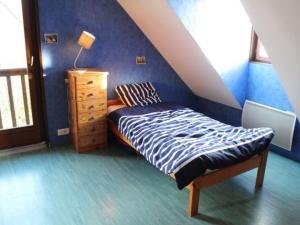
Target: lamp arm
column 75, row 62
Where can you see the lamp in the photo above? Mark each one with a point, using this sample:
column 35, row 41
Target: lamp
column 86, row 41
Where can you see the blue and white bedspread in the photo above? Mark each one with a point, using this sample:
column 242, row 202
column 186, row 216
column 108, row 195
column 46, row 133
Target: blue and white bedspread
column 171, row 139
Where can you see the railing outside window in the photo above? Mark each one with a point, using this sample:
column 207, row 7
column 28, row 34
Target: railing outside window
column 15, row 104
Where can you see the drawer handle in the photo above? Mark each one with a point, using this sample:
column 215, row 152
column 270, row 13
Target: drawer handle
column 91, row 107
column 93, row 129
column 91, row 118
column 90, row 95
column 90, row 82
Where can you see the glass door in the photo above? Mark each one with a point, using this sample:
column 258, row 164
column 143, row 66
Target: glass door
column 21, row 119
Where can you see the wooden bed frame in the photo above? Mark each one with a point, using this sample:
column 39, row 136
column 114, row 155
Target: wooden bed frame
column 217, row 176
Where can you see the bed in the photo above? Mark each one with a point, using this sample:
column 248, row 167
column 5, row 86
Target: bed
column 188, row 146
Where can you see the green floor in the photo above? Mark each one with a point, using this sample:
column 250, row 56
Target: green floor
column 60, row 187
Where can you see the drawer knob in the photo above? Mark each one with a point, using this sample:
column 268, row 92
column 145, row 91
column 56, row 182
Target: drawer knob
column 91, row 107
column 91, row 118
column 90, row 94
column 90, row 82
column 93, row 129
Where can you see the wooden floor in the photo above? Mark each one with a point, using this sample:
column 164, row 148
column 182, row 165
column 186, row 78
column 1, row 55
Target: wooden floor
column 112, row 186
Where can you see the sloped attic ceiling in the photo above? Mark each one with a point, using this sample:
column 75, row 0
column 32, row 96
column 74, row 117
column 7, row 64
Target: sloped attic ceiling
column 166, row 32
column 223, row 32
column 277, row 24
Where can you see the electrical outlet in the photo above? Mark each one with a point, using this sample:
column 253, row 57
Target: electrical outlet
column 64, row 131
column 139, row 60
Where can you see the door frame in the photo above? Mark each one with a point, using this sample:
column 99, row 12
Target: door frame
column 33, row 48
column 39, row 73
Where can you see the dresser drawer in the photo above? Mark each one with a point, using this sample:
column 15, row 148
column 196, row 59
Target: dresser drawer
column 92, row 105
column 90, row 81
column 91, row 117
column 90, row 140
column 91, row 93
column 92, row 128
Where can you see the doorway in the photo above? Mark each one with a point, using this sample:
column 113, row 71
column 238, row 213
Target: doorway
column 21, row 93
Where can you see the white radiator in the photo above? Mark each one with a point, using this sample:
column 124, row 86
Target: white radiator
column 282, row 122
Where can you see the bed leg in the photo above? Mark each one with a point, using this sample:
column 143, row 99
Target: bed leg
column 193, row 200
column 261, row 170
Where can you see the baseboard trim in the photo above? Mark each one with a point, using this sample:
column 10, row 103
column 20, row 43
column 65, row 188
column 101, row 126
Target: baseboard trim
column 22, row 149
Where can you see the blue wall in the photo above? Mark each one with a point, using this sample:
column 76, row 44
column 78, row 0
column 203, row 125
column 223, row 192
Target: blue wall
column 219, row 111
column 264, row 87
column 118, row 42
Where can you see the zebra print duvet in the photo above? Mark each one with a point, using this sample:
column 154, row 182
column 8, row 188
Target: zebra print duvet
column 171, row 139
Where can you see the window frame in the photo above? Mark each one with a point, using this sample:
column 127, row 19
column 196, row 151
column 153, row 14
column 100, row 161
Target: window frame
column 254, row 49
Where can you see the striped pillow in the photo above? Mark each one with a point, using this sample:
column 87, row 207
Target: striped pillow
column 138, row 94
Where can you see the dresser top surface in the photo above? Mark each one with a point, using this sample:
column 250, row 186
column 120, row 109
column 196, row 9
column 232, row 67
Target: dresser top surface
column 87, row 70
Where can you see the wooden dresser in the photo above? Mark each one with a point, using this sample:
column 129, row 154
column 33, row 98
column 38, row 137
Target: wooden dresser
column 88, row 108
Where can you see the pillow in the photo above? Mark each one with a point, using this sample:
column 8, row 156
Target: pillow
column 138, row 94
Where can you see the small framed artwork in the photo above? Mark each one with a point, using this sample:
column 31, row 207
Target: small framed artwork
column 51, row 38
column 140, row 60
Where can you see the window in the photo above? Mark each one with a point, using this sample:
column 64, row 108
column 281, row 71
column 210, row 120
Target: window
column 258, row 52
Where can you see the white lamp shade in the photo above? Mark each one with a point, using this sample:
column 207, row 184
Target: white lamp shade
column 86, row 40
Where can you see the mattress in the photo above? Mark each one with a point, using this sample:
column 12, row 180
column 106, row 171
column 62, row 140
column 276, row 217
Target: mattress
column 178, row 140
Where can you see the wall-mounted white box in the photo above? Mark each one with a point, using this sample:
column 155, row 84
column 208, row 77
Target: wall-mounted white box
column 282, row 122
